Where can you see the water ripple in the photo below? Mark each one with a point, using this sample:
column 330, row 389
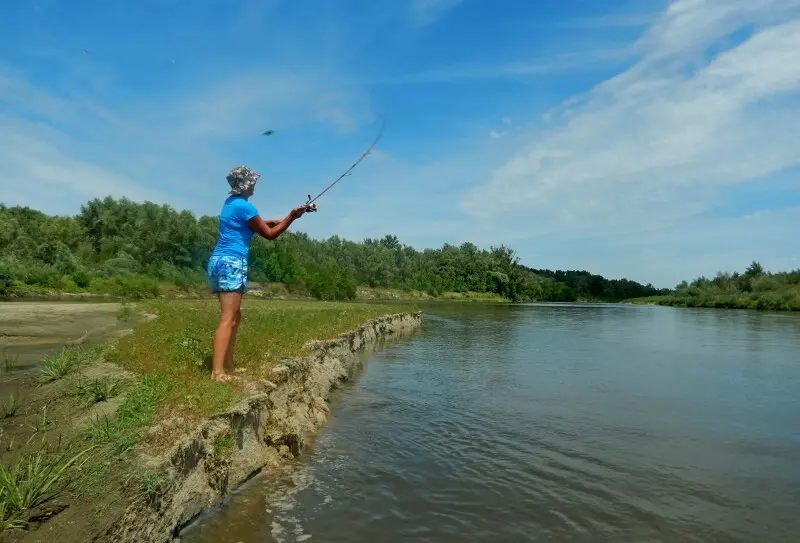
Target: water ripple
column 553, row 423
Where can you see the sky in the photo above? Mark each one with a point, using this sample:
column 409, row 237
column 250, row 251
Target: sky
column 648, row 139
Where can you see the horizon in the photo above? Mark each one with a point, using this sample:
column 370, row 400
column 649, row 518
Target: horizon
column 655, row 141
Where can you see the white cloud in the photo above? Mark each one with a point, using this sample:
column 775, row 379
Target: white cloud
column 530, row 67
column 40, row 168
column 656, row 143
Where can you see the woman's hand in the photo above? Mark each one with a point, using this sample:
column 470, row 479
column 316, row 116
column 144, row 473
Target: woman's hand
column 297, row 212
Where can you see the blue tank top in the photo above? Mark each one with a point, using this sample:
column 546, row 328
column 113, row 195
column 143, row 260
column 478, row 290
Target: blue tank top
column 234, row 234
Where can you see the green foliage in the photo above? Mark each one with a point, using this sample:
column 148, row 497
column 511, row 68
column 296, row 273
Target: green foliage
column 132, row 250
column 584, row 285
column 754, row 289
column 58, row 365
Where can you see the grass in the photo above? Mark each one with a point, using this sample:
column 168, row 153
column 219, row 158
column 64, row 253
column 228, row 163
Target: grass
column 33, row 480
column 224, row 445
column 370, row 293
column 7, row 362
column 150, row 483
column 136, row 413
column 59, row 365
column 170, row 357
column 97, row 390
column 126, row 312
column 10, row 406
column 172, row 353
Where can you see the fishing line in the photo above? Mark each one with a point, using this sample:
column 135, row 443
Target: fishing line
column 310, row 205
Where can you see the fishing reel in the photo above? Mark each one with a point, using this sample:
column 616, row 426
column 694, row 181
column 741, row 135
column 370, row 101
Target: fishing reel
column 310, row 208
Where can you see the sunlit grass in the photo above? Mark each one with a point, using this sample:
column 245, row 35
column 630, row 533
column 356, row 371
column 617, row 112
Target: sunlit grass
column 92, row 391
column 173, row 354
column 60, row 364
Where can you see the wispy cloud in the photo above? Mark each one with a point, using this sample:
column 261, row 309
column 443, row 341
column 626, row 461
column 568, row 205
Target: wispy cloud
column 425, row 12
column 657, row 143
column 42, row 167
column 555, row 63
column 614, row 20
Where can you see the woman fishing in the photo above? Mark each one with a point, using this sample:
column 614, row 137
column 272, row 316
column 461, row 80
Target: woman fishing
column 227, row 267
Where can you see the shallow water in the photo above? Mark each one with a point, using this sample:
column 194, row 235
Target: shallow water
column 30, row 330
column 551, row 423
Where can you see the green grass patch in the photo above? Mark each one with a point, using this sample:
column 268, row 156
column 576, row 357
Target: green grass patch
column 172, row 353
column 63, row 363
column 34, row 479
column 136, row 413
column 224, row 445
column 92, row 391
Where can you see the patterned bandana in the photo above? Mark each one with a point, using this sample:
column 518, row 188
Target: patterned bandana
column 242, row 178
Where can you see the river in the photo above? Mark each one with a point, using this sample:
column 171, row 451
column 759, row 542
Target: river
column 506, row 423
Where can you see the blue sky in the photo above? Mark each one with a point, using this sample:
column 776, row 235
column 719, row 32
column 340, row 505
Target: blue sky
column 652, row 140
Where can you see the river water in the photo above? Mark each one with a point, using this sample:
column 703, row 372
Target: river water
column 550, row 423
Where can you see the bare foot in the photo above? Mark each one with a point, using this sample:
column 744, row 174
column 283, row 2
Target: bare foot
column 224, row 377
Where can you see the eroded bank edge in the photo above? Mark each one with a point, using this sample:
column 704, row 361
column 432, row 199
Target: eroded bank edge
column 273, row 423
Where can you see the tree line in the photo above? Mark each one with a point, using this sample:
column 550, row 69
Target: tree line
column 126, row 248
column 754, row 288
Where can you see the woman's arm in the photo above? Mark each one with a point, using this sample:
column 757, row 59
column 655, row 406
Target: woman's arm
column 272, row 231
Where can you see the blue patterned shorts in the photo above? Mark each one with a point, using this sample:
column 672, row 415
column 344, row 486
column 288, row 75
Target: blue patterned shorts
column 227, row 274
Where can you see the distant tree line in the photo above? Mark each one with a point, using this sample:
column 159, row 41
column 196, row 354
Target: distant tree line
column 755, row 288
column 591, row 286
column 138, row 249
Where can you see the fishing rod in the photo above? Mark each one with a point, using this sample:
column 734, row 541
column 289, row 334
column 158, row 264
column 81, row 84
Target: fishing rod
column 310, row 206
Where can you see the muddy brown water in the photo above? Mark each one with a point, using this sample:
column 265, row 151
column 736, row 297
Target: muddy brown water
column 550, row 423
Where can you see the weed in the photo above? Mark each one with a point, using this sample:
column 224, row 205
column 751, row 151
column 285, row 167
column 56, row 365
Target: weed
column 7, row 362
column 63, row 363
column 7, row 523
column 41, row 423
column 150, row 483
column 224, row 445
column 97, row 390
column 10, row 406
column 34, row 479
column 126, row 312
column 102, row 431
column 136, row 413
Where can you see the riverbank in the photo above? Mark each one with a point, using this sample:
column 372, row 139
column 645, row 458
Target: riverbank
column 261, row 291
column 137, row 438
column 767, row 302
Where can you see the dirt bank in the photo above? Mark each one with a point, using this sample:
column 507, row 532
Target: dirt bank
column 277, row 420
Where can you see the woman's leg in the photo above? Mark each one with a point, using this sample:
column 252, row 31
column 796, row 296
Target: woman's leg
column 229, row 302
column 229, row 365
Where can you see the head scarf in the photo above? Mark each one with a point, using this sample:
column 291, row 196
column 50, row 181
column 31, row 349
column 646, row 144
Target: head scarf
column 242, row 178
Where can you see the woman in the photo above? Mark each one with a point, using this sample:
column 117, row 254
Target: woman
column 227, row 267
